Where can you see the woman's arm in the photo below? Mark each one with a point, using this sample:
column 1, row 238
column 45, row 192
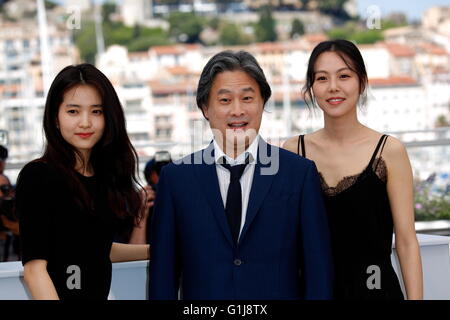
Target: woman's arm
column 401, row 196
column 139, row 233
column 121, row 252
column 38, row 280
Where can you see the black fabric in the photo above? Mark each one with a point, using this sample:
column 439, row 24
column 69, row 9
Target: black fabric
column 301, row 141
column 233, row 207
column 361, row 227
column 55, row 229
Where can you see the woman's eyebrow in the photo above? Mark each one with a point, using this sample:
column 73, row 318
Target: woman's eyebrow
column 339, row 70
column 72, row 105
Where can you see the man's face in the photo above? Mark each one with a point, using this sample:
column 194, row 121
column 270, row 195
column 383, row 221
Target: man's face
column 234, row 110
column 2, row 165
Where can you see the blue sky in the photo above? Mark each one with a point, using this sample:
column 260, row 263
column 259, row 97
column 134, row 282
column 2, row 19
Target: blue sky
column 412, row 8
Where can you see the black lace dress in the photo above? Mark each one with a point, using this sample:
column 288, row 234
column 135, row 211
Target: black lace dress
column 361, row 228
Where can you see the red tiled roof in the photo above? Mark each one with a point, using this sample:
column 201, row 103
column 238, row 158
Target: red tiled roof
column 314, row 39
column 433, row 49
column 180, row 70
column 392, row 81
column 164, row 88
column 270, row 46
column 164, row 50
column 174, row 49
column 293, row 95
column 10, row 87
column 400, row 50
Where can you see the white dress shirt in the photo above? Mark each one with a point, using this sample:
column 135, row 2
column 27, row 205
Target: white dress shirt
column 246, row 179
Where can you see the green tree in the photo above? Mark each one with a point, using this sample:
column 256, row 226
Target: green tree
column 148, row 37
column 231, row 34
column 49, row 5
column 117, row 34
column 357, row 33
column 388, row 24
column 85, row 41
column 441, row 121
column 367, row 37
column 344, row 32
column 108, row 8
column 297, row 29
column 186, row 26
column 136, row 38
column 143, row 44
column 265, row 28
column 214, row 23
column 334, row 8
column 136, row 31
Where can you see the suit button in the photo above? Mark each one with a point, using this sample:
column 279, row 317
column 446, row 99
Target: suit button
column 237, row 262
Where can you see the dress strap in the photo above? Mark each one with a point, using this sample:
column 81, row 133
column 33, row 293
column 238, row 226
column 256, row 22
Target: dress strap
column 301, row 140
column 381, row 151
column 382, row 140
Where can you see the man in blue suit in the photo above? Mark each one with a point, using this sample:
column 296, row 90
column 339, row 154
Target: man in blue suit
column 241, row 219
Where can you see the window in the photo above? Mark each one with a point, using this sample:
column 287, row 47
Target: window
column 139, row 136
column 16, row 124
column 133, row 106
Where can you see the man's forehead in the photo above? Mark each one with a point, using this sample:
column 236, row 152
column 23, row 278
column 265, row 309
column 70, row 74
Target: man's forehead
column 228, row 83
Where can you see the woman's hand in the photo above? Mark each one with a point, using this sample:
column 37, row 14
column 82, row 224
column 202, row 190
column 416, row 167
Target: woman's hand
column 148, row 198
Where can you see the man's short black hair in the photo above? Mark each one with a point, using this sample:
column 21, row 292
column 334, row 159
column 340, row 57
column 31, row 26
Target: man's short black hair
column 230, row 61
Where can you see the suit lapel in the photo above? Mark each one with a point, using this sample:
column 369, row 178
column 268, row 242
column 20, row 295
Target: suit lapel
column 209, row 183
column 260, row 185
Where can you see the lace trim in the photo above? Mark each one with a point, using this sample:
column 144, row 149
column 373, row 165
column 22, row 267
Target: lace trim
column 348, row 181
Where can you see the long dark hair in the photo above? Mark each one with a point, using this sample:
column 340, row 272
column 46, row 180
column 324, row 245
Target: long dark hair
column 113, row 158
column 351, row 56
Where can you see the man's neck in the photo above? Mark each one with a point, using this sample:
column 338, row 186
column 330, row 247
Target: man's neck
column 235, row 150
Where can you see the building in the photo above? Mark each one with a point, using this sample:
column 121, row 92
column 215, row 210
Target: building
column 21, row 84
column 437, row 19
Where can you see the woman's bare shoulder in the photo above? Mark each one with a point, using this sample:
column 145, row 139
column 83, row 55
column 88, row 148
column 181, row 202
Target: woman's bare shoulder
column 394, row 148
column 291, row 144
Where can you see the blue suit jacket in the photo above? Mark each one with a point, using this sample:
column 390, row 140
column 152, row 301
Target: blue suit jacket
column 284, row 248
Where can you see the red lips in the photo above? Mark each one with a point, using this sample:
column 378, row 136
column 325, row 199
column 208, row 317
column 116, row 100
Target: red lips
column 335, row 100
column 84, row 135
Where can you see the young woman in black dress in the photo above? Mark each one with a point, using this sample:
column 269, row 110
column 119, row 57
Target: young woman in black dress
column 366, row 179
column 73, row 199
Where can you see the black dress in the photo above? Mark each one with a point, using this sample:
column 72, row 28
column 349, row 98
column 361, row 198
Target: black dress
column 75, row 243
column 361, row 228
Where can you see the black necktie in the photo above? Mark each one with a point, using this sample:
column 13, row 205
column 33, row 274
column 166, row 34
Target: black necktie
column 233, row 207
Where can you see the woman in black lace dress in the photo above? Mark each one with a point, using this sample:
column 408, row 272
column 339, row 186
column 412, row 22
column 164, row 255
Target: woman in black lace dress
column 366, row 180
